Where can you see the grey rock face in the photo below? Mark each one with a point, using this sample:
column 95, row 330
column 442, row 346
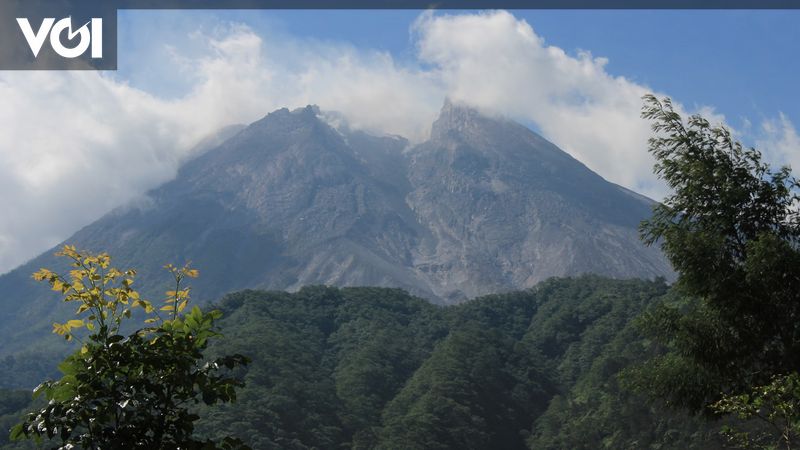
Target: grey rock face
column 485, row 205
column 507, row 209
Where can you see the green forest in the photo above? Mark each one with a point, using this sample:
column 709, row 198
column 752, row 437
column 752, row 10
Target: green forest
column 377, row 368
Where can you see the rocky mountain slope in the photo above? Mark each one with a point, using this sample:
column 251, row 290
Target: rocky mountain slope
column 485, row 205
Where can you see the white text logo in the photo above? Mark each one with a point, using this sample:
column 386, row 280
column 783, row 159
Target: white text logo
column 90, row 34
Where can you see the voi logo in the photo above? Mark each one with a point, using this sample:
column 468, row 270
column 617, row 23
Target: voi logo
column 90, row 34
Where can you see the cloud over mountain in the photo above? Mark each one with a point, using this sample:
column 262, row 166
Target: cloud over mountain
column 77, row 144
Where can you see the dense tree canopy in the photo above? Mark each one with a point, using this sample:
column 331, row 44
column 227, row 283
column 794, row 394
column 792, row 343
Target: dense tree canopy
column 377, row 368
column 731, row 228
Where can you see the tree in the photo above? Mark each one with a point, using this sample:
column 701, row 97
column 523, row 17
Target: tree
column 730, row 228
column 775, row 405
column 133, row 391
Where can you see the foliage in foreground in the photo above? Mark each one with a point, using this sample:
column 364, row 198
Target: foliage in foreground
column 775, row 404
column 133, row 391
column 731, row 229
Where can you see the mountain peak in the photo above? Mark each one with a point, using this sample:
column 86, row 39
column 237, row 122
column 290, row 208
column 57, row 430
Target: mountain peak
column 456, row 117
column 284, row 115
column 308, row 110
column 483, row 206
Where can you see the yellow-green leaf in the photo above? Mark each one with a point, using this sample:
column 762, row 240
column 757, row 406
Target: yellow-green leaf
column 57, row 284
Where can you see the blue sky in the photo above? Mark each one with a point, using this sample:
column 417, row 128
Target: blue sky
column 576, row 77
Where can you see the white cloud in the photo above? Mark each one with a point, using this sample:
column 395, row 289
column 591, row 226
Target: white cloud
column 77, row 144
column 498, row 62
column 779, row 139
